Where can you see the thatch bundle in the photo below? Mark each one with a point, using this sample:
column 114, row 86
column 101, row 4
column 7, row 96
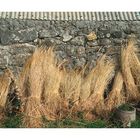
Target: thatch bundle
column 52, row 79
column 5, row 81
column 71, row 85
column 70, row 88
column 115, row 97
column 101, row 76
column 134, row 62
column 31, row 79
column 39, row 83
column 131, row 87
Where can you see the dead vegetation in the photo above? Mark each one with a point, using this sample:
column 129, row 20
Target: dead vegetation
column 99, row 79
column 5, row 81
column 115, row 97
column 131, row 87
column 49, row 90
column 134, row 62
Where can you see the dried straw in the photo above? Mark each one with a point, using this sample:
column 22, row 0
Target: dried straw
column 5, row 79
column 89, row 81
column 71, row 85
column 132, row 89
column 32, row 84
column 70, row 89
column 115, row 97
column 52, row 79
column 134, row 62
column 40, row 82
column 101, row 76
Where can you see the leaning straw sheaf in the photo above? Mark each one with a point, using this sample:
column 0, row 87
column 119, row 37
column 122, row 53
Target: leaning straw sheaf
column 132, row 89
column 134, row 62
column 89, row 81
column 115, row 97
column 5, row 81
column 102, row 75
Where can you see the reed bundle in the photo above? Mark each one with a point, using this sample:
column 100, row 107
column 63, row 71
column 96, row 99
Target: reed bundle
column 132, row 89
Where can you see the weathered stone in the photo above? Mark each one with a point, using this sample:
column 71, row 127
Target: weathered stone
column 71, row 50
column 6, row 36
column 66, row 37
column 28, row 35
column 81, row 50
column 15, row 55
column 116, row 34
column 48, row 33
column 4, row 58
column 117, row 41
column 92, row 43
column 79, row 40
column 108, row 35
column 92, row 49
column 91, row 36
column 55, row 41
column 18, row 59
column 81, row 24
column 46, row 24
column 14, row 25
column 30, row 23
column 100, row 35
column 105, row 42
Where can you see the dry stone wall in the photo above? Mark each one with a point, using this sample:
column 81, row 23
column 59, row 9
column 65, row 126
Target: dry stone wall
column 69, row 38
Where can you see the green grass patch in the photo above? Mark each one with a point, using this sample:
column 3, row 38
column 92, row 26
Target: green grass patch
column 126, row 107
column 136, row 124
column 69, row 123
column 12, row 122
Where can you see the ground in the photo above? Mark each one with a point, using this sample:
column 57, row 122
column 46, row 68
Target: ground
column 16, row 122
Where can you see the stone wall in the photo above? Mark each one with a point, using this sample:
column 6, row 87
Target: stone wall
column 69, row 38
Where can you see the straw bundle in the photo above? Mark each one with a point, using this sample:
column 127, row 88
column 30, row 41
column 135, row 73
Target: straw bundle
column 32, row 86
column 132, row 89
column 5, row 81
column 71, row 85
column 70, row 90
column 89, row 81
column 134, row 62
column 115, row 97
column 40, row 82
column 52, row 79
column 86, row 84
column 101, row 76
